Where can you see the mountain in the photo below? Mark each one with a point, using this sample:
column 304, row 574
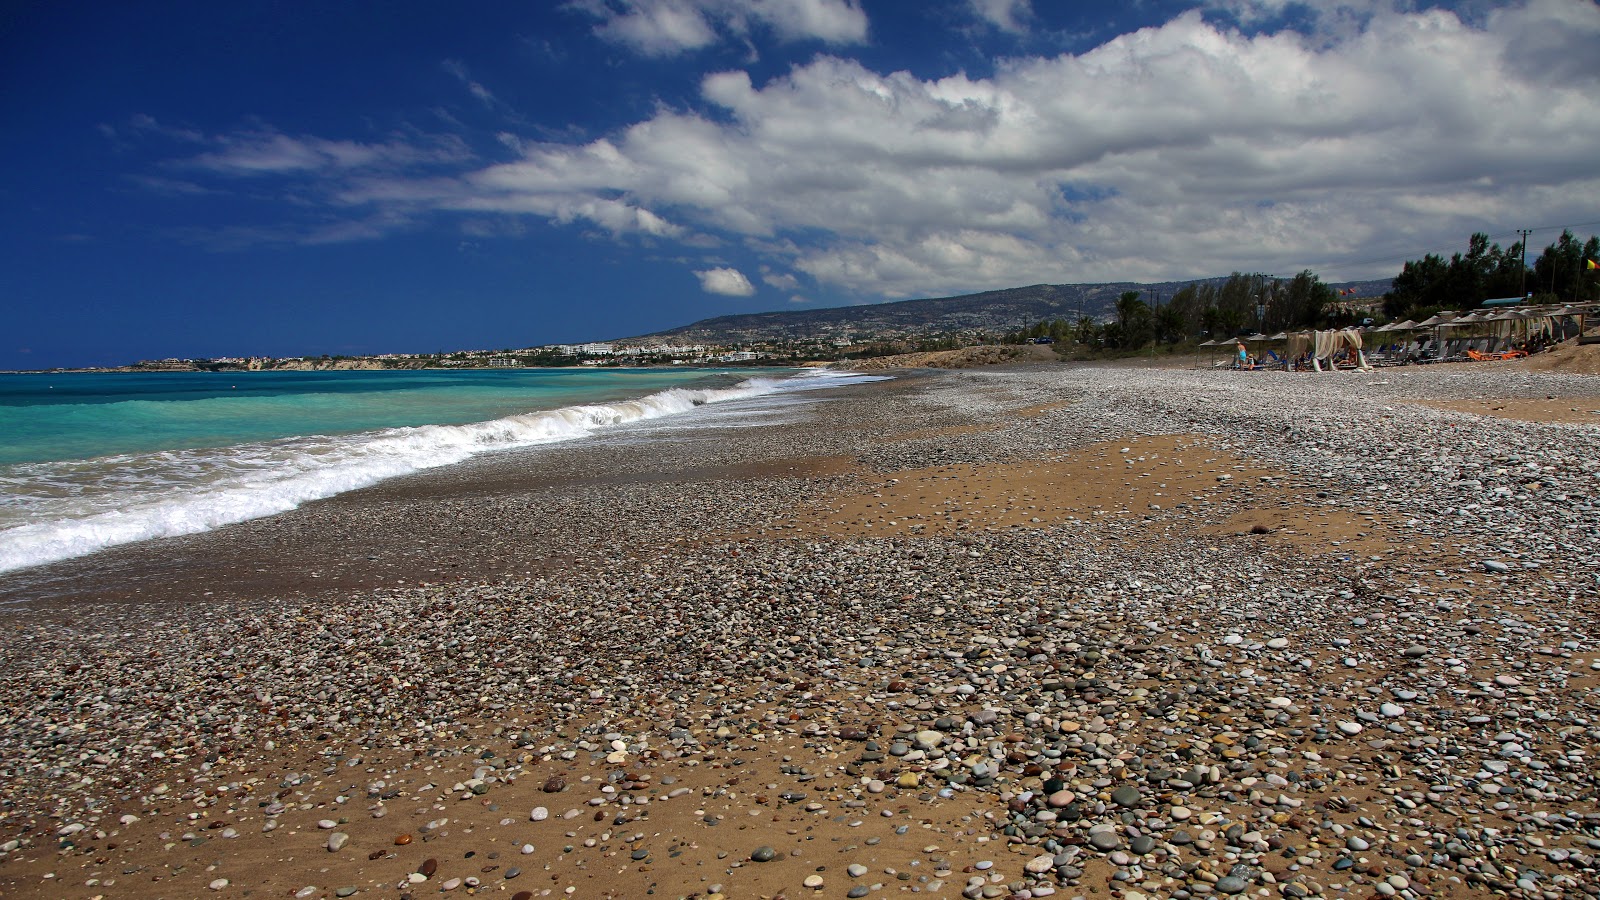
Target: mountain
column 990, row 311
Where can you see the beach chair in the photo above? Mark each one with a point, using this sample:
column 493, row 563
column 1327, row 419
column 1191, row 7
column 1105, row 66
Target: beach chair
column 1278, row 360
column 1475, row 356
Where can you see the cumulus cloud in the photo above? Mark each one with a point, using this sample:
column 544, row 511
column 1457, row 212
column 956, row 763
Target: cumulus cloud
column 1181, row 150
column 1006, row 15
column 783, row 281
column 1177, row 150
column 730, row 282
column 667, row 27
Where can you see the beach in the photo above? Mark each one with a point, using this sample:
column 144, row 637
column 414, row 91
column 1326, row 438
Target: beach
column 1027, row 631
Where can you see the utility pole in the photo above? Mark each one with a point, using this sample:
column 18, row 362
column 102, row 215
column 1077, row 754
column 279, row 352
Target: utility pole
column 1522, row 279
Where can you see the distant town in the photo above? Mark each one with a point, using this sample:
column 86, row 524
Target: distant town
column 611, row 354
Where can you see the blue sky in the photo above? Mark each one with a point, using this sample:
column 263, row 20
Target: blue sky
column 244, row 178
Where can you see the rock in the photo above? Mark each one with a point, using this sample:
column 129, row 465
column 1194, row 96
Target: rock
column 555, row 784
column 1126, row 795
column 764, row 854
column 1231, row 884
column 336, row 841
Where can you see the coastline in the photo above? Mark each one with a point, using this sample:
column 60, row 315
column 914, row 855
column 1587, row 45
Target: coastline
column 940, row 628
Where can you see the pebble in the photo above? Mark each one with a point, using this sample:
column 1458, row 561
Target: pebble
column 1078, row 687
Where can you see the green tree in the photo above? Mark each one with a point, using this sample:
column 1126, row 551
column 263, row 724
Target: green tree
column 1170, row 324
column 1134, row 325
column 1561, row 269
column 1484, row 272
column 1188, row 308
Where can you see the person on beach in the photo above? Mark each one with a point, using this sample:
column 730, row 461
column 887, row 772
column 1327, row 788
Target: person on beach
column 1244, row 355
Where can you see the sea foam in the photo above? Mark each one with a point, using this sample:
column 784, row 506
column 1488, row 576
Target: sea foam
column 76, row 508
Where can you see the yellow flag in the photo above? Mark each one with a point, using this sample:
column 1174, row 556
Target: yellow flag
column 1592, row 264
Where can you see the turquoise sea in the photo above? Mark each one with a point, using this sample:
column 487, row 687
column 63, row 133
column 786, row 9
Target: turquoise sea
column 88, row 461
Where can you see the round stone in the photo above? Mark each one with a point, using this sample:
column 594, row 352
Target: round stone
column 1231, row 884
column 1105, row 840
column 539, row 814
column 813, row 881
column 764, row 854
column 1127, row 795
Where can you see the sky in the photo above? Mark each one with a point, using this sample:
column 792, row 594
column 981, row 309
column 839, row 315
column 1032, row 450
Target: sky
column 196, row 179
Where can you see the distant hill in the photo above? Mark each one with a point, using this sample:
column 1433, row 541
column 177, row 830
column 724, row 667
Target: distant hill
column 990, row 311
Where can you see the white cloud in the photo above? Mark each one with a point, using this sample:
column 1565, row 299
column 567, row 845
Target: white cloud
column 1006, row 15
column 1182, row 150
column 730, row 282
column 667, row 27
column 783, row 281
column 268, row 152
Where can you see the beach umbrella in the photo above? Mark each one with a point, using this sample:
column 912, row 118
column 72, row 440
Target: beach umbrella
column 1437, row 322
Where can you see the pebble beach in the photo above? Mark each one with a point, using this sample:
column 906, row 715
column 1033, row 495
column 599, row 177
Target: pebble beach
column 1014, row 632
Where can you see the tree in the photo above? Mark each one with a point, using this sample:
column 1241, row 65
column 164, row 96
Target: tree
column 1083, row 332
column 1169, row 324
column 1484, row 272
column 1299, row 302
column 1188, row 308
column 1560, row 269
column 1134, row 326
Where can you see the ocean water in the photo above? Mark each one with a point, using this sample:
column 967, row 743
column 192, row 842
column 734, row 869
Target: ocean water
column 89, row 461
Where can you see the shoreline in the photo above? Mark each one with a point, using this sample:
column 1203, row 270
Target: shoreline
column 1020, row 632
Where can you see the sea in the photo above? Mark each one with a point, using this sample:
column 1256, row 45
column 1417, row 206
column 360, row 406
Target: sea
column 93, row 460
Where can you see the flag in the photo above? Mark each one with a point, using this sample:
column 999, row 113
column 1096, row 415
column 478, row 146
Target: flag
column 1592, row 264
